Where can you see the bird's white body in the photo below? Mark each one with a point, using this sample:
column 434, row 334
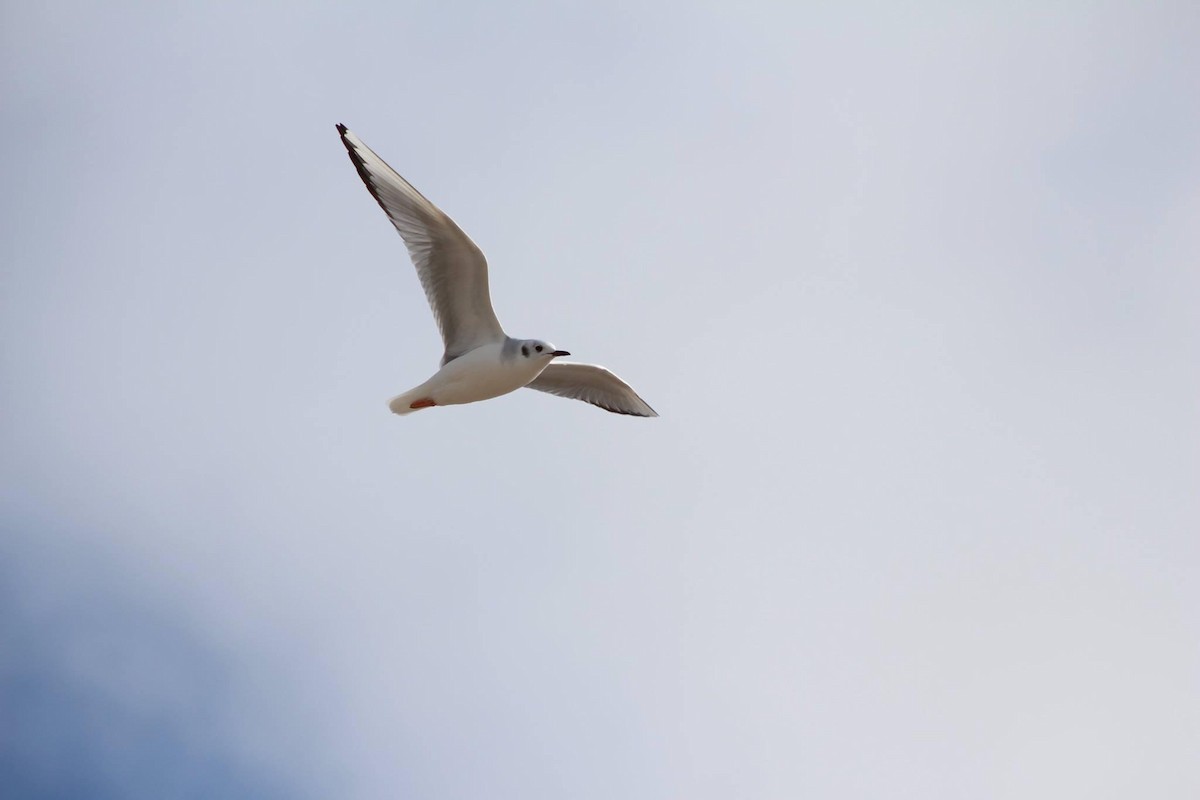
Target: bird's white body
column 487, row 371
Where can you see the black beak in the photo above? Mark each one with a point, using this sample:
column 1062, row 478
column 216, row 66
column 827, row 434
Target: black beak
column 560, row 353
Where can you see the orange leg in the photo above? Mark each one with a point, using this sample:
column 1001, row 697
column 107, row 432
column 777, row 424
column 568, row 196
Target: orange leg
column 424, row 402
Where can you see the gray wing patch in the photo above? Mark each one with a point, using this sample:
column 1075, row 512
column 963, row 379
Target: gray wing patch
column 452, row 270
column 591, row 384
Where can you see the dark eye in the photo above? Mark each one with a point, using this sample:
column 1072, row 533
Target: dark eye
column 538, row 348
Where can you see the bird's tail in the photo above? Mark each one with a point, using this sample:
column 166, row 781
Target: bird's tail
column 410, row 401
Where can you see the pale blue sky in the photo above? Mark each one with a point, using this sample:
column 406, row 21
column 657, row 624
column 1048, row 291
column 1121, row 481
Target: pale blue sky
column 914, row 288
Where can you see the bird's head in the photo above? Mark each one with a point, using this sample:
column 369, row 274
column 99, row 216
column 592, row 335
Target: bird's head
column 542, row 351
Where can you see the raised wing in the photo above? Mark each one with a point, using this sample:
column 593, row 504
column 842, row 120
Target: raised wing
column 591, row 384
column 451, row 268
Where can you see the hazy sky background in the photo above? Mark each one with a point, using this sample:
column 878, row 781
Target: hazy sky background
column 914, row 288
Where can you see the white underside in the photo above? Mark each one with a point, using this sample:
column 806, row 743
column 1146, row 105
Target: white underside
column 478, row 375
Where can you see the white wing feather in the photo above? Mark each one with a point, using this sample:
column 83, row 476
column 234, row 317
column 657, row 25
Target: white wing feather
column 451, row 268
column 591, row 384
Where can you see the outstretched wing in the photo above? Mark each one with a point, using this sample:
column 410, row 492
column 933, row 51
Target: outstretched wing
column 591, row 384
column 451, row 268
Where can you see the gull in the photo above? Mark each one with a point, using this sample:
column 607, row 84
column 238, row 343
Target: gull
column 481, row 361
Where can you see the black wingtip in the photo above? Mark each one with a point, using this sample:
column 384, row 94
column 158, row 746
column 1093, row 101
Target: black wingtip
column 341, row 129
column 626, row 412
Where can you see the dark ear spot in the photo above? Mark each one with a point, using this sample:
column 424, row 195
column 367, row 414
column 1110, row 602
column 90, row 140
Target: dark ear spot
column 525, row 350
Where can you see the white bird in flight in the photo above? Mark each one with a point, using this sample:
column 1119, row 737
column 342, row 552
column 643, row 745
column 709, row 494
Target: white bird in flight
column 481, row 361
